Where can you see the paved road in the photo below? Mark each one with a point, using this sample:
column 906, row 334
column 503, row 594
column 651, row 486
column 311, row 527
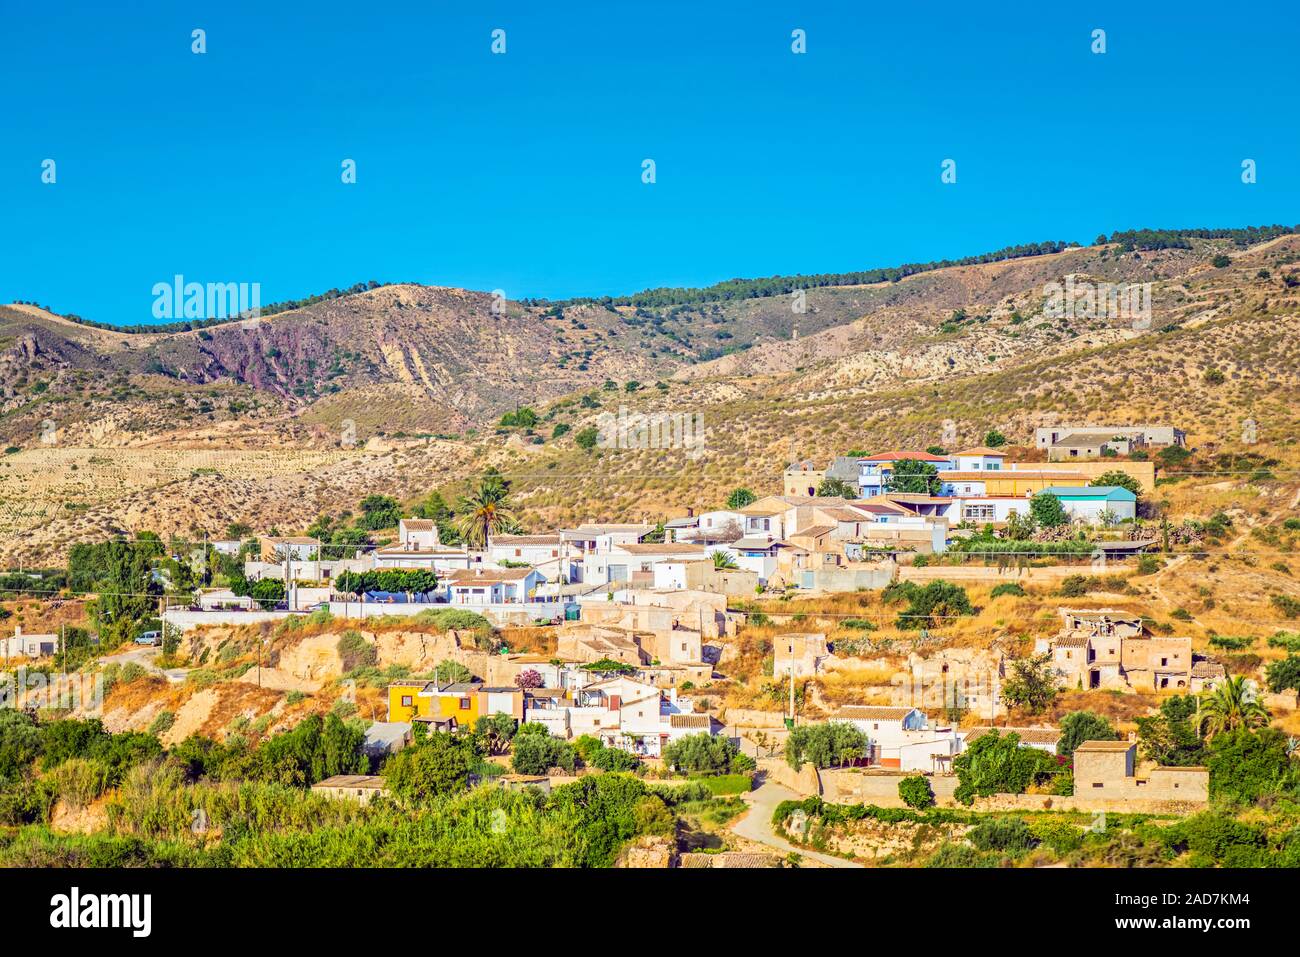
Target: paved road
column 757, row 824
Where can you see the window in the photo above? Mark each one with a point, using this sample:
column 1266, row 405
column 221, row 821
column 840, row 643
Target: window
column 464, row 704
column 978, row 511
column 1096, row 784
column 406, row 701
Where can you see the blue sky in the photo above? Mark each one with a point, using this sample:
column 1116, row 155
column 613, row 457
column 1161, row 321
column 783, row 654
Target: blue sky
column 522, row 171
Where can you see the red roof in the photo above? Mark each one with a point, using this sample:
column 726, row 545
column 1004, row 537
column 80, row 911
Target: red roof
column 899, row 456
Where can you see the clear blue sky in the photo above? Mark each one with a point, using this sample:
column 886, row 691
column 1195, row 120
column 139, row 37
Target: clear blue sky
column 523, row 171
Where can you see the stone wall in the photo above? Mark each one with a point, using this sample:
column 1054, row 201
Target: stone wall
column 991, row 573
column 854, row 786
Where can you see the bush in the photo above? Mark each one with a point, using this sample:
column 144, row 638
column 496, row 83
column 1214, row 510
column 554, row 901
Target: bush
column 1149, row 565
column 1010, row 835
column 163, row 723
column 1007, row 588
column 20, row 743
column 932, row 605
column 1289, row 607
column 916, row 792
column 79, row 781
column 859, row 624
column 1073, row 586
column 356, row 652
column 1058, row 835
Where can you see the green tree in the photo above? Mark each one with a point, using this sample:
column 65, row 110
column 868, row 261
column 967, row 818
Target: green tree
column 995, row 763
column 914, row 477
column 1119, row 479
column 836, row 488
column 831, row 744
column 704, row 754
column 495, row 732
column 932, row 605
column 994, row 439
column 1047, row 510
column 1170, row 736
column 1080, row 726
column 267, row 592
column 1284, row 674
column 379, row 511
column 586, row 438
column 20, row 743
column 1230, row 706
column 1031, row 684
column 722, row 560
column 535, row 752
column 438, row 766
column 486, row 510
column 1246, row 765
column 740, row 497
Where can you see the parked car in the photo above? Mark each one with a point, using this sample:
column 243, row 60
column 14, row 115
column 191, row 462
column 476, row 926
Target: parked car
column 149, row 638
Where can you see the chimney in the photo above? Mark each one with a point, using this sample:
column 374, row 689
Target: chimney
column 690, row 511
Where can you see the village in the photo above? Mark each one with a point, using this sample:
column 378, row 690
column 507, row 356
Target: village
column 718, row 643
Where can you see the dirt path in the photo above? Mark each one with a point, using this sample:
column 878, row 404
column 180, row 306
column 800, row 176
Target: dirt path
column 757, row 824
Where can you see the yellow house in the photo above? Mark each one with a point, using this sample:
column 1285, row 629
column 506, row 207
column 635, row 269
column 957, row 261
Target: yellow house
column 1015, row 481
column 464, row 701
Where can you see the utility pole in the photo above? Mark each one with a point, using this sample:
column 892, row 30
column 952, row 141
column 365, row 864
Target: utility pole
column 792, row 687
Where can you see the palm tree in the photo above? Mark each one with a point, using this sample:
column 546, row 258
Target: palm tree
column 723, row 559
column 485, row 510
column 1230, row 706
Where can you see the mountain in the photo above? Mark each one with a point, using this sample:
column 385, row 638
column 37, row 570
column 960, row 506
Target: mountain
column 397, row 389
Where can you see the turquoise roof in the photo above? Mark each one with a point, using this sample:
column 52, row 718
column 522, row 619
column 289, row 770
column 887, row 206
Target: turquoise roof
column 1092, row 491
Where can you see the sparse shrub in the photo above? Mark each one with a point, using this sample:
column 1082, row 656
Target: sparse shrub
column 162, row 723
column 1288, row 606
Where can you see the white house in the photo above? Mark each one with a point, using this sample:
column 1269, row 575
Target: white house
column 985, row 508
column 421, row 533
column 493, row 586
column 979, row 459
column 29, row 646
column 622, row 712
column 634, row 562
column 902, row 737
column 531, row 549
column 438, row 558
column 223, row 599
column 576, row 544
column 712, row 527
column 758, row 555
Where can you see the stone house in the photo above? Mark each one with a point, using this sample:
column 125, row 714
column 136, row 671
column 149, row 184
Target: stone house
column 1108, row 770
column 804, row 653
